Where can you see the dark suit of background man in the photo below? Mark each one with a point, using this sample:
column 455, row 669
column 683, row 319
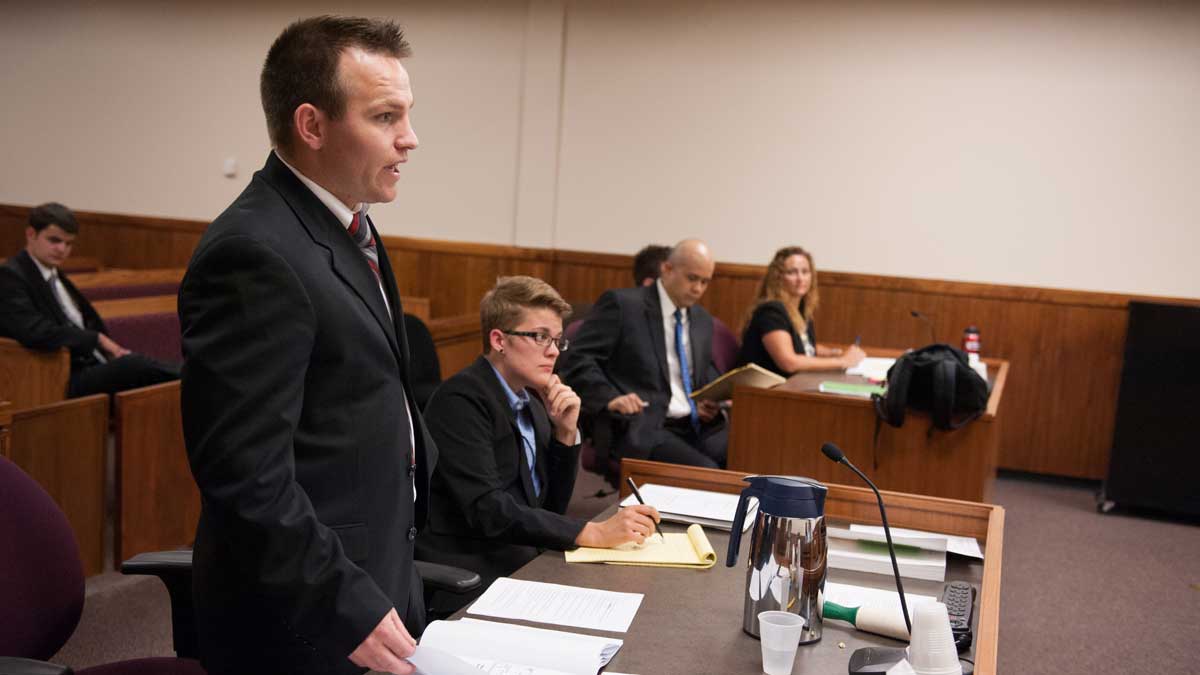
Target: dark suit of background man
column 42, row 309
column 301, row 430
column 625, row 361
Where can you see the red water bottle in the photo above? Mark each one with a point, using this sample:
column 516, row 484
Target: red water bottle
column 970, row 343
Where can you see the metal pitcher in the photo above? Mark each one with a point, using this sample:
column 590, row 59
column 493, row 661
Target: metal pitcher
column 786, row 563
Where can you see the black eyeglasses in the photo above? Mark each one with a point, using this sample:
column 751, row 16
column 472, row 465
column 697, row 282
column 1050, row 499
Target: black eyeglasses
column 542, row 338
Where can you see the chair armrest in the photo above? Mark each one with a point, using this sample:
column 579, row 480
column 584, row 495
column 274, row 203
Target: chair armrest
column 12, row 665
column 446, row 578
column 174, row 569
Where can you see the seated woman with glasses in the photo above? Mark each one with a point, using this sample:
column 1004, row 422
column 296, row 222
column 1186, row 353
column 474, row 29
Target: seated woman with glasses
column 508, row 446
column 779, row 333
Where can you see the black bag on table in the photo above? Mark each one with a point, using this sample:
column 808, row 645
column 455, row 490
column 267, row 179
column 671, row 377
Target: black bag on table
column 937, row 379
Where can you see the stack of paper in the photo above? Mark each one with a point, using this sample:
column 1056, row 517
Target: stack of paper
column 672, row 549
column 873, row 368
column 917, row 557
column 472, row 647
column 558, row 604
column 683, row 505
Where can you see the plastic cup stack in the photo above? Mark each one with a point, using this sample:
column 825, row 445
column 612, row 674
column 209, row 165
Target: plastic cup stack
column 779, row 633
column 932, row 650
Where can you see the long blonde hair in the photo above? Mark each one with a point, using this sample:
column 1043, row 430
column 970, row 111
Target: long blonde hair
column 771, row 290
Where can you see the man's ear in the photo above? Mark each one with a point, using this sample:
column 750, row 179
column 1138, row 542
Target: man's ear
column 30, row 235
column 310, row 125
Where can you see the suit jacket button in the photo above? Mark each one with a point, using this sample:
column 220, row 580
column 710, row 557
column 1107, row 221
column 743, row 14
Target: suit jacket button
column 412, row 533
column 412, row 470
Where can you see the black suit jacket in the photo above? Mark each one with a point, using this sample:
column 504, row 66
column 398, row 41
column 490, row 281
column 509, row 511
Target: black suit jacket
column 621, row 348
column 485, row 516
column 31, row 315
column 294, row 384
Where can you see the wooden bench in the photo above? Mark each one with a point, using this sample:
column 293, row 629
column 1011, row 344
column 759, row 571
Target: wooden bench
column 29, row 377
column 157, row 502
column 458, row 341
column 61, row 446
column 127, row 277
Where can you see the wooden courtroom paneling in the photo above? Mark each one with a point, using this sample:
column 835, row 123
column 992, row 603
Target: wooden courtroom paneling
column 6, row 409
column 61, row 445
column 158, row 503
column 457, row 340
column 31, row 378
column 128, row 277
column 150, row 304
column 1065, row 347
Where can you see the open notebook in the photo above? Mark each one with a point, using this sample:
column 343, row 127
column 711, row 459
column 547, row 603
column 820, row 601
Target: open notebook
column 474, row 647
column 671, row 549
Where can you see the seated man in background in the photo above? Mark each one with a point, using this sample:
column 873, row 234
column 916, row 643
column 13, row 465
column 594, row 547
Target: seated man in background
column 647, row 264
column 42, row 309
column 641, row 354
column 508, row 443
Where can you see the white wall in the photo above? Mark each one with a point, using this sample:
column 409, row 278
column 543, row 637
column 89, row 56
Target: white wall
column 1036, row 143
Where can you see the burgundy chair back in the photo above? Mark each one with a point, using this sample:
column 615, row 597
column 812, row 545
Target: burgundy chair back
column 153, row 335
column 41, row 576
column 724, row 346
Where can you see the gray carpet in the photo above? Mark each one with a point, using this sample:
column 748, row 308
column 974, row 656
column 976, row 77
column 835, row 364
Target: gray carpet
column 1082, row 592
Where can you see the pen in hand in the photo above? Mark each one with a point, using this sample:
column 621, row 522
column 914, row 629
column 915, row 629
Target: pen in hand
column 638, row 496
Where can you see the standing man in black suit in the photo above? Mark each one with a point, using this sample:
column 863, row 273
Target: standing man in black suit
column 302, row 433
column 508, row 443
column 42, row 309
column 639, row 356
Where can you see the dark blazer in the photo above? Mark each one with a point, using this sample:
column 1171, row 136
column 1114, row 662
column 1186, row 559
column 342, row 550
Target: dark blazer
column 621, row 348
column 294, row 383
column 31, row 315
column 485, row 516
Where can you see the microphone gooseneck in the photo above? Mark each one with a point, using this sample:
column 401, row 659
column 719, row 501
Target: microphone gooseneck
column 928, row 323
column 835, row 454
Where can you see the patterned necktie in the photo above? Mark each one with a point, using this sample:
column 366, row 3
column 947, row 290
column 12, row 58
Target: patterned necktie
column 360, row 232
column 685, row 369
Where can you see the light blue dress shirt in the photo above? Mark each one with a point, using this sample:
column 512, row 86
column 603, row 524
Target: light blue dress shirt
column 520, row 402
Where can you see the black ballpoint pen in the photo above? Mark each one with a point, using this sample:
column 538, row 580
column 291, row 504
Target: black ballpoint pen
column 638, row 496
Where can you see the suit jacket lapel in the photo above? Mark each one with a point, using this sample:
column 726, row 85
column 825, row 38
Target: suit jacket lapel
column 347, row 260
column 700, row 334
column 654, row 319
column 541, row 435
column 45, row 294
column 484, row 371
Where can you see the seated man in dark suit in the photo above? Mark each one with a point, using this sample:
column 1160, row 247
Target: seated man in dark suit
column 42, row 309
column 508, row 445
column 641, row 354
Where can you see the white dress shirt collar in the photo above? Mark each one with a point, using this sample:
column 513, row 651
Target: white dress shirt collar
column 47, row 272
column 343, row 213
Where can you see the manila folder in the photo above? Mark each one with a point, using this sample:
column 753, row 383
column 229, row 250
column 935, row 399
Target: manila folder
column 674, row 549
column 749, row 375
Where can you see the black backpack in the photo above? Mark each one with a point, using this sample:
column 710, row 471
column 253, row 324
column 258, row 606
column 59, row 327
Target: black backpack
column 936, row 379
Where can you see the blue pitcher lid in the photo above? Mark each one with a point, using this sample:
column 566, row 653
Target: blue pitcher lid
column 788, row 496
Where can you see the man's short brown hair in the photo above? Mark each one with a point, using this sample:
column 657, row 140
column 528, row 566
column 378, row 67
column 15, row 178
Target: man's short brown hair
column 504, row 305
column 302, row 66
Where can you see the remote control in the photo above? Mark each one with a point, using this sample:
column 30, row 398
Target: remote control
column 959, row 598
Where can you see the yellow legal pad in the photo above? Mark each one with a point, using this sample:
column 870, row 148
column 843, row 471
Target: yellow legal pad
column 690, row 550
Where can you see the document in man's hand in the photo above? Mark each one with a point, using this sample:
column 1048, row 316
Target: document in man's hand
column 562, row 605
column 749, row 375
column 472, row 647
column 685, row 505
column 689, row 549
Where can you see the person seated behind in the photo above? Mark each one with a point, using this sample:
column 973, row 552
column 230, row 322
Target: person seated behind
column 626, row 364
column 780, row 334
column 647, row 264
column 42, row 309
column 508, row 443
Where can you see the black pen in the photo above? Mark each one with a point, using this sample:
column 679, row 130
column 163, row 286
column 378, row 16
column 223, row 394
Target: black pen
column 637, row 495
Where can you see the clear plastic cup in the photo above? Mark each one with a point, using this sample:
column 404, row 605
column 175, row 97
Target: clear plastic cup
column 779, row 633
column 932, row 650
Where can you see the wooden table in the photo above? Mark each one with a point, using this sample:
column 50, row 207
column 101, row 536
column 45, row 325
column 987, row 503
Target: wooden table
column 690, row 621
column 781, row 430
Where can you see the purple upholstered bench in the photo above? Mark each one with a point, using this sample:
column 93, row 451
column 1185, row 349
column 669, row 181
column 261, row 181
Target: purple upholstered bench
column 153, row 335
column 95, row 293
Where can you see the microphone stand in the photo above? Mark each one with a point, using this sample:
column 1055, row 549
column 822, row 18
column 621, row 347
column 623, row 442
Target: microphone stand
column 932, row 340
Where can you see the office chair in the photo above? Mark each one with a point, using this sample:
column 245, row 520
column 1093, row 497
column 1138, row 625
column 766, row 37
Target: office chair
column 426, row 371
column 42, row 586
column 725, row 346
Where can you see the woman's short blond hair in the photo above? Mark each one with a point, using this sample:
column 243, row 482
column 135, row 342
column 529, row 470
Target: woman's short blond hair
column 505, row 305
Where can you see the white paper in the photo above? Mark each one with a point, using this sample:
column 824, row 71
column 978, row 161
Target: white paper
column 872, row 368
column 848, row 595
column 507, row 649
column 685, row 505
column 557, row 604
column 902, row 667
column 877, row 535
column 967, row 546
column 848, row 554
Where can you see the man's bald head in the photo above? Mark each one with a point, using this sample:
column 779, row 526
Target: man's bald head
column 687, row 272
